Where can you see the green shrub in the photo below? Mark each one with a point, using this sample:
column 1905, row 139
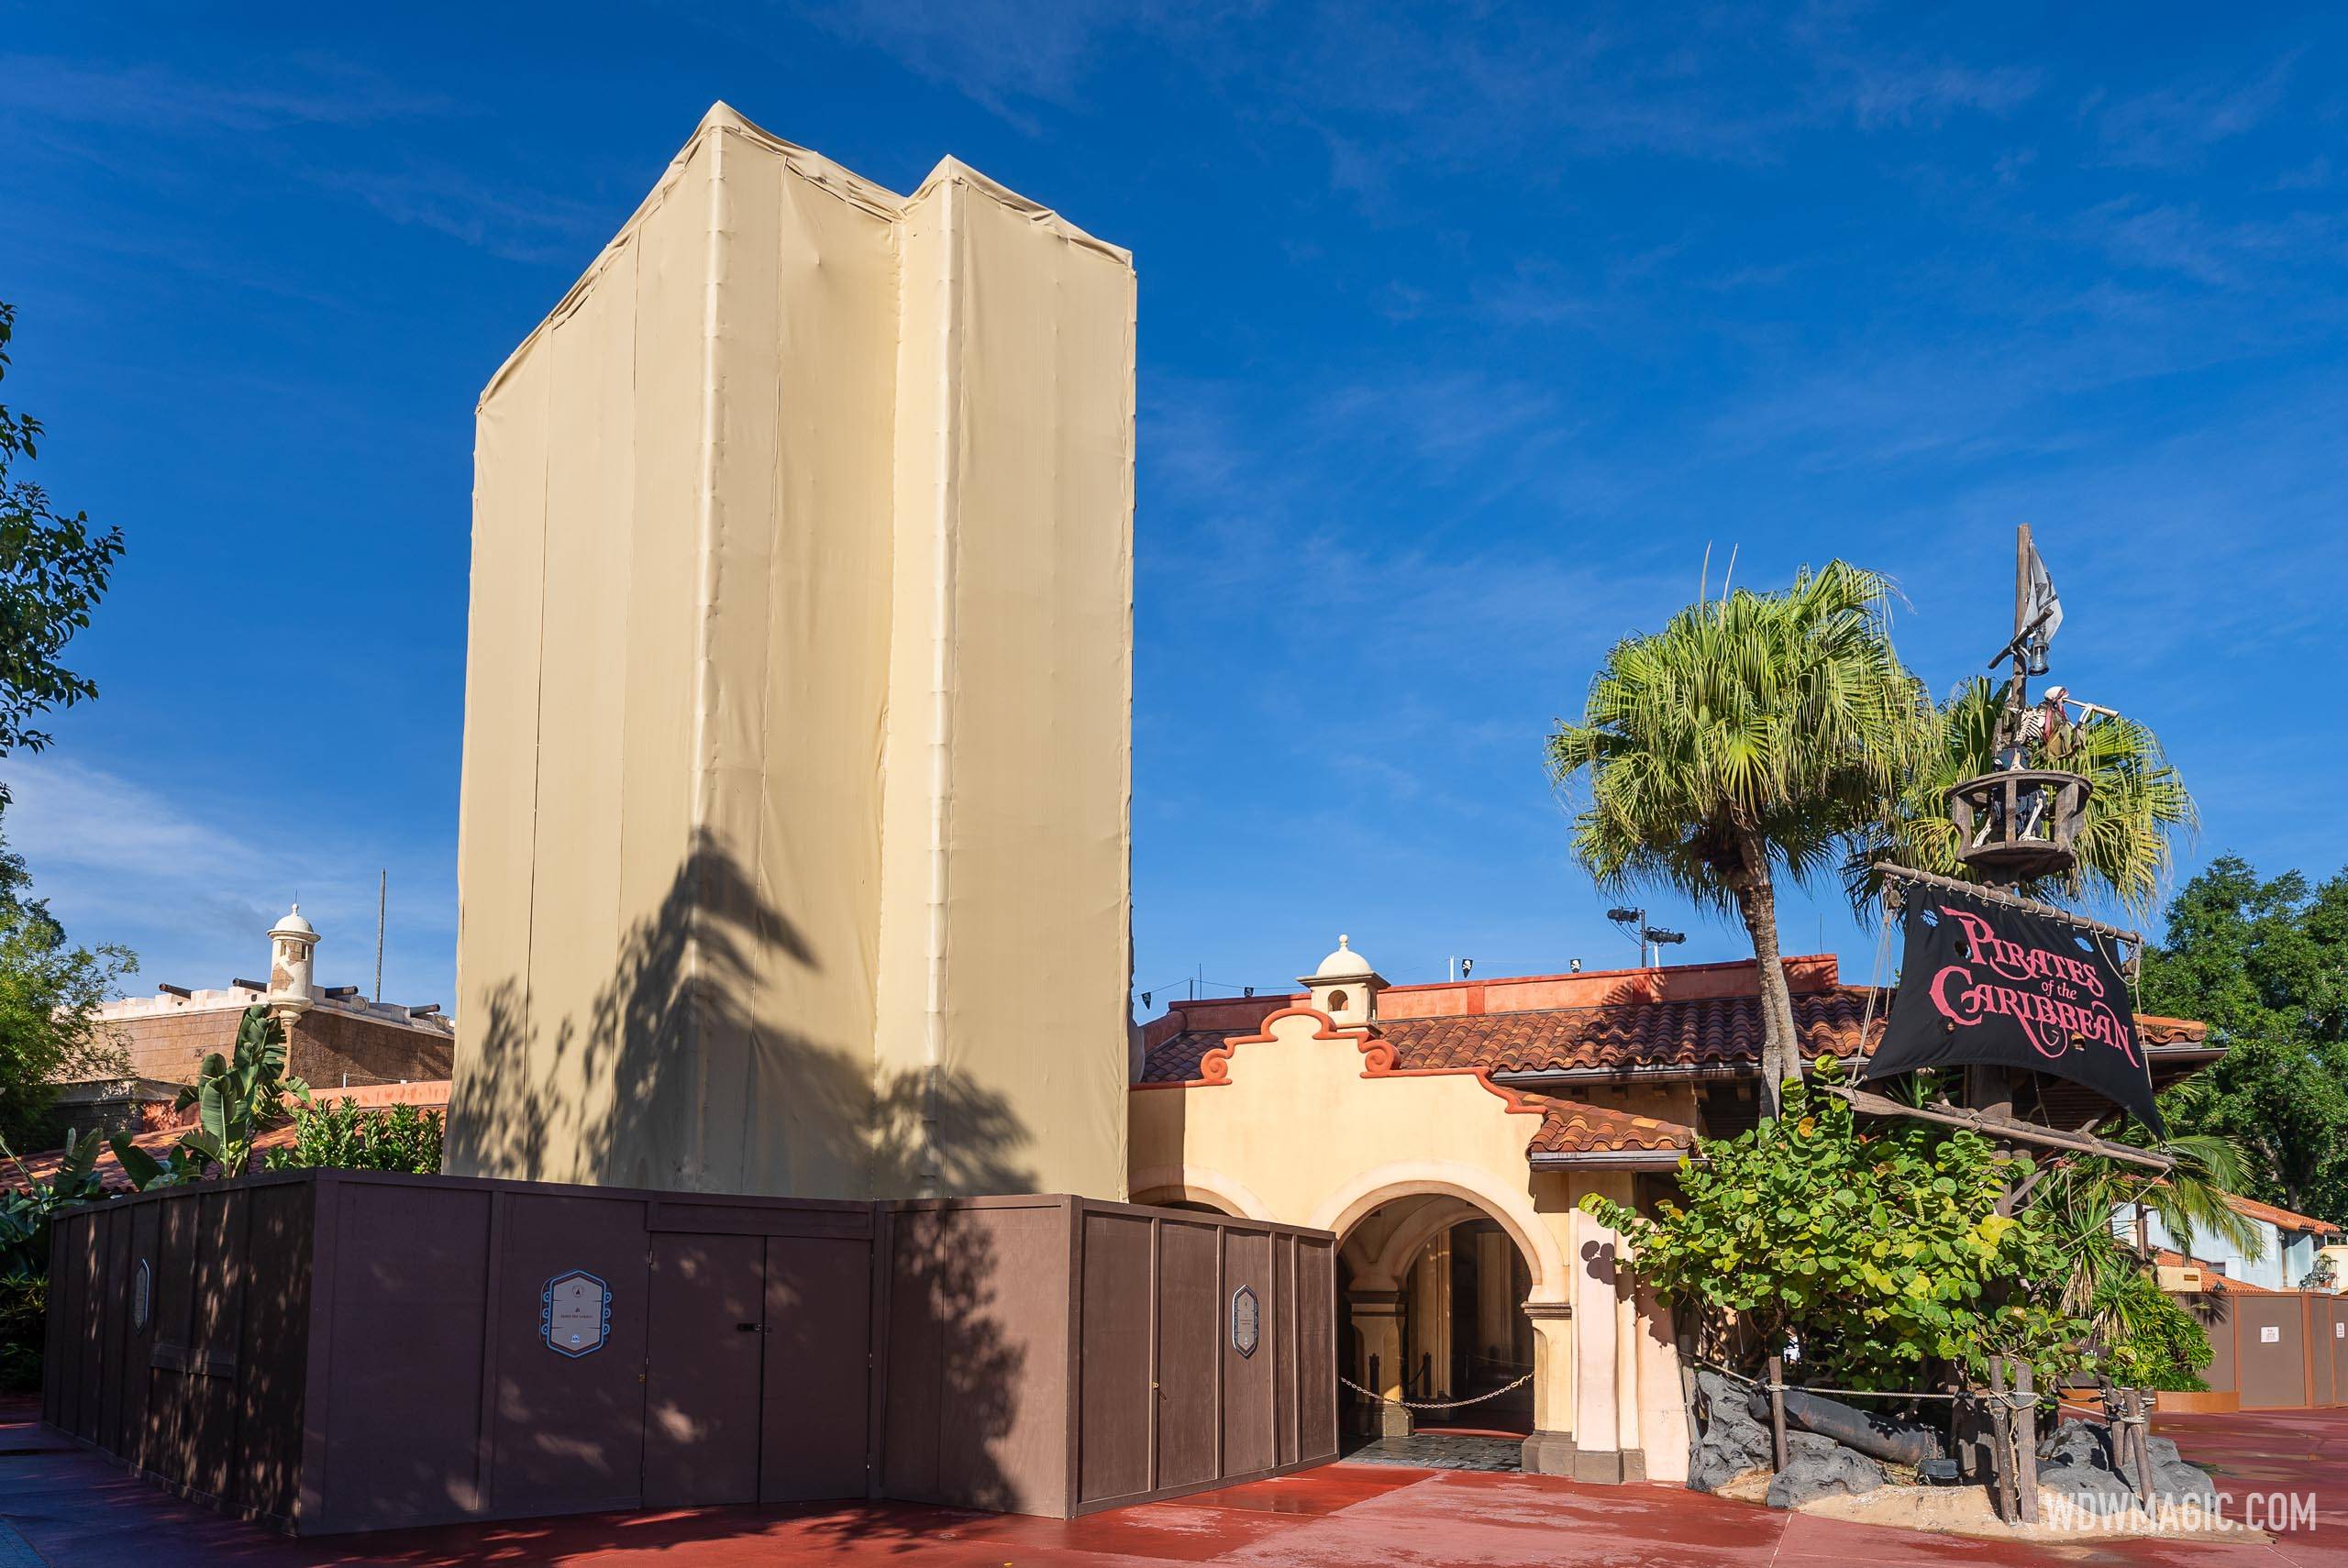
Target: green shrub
column 344, row 1135
column 2155, row 1341
column 1877, row 1251
column 22, row 1316
column 26, row 1212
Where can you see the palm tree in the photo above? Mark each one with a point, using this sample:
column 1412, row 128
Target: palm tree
column 2080, row 1196
column 2137, row 807
column 1754, row 734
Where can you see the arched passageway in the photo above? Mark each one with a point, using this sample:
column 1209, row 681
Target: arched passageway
column 1430, row 1308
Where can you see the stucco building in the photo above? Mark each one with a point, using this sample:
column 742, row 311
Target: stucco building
column 2290, row 1245
column 1446, row 1133
column 335, row 1038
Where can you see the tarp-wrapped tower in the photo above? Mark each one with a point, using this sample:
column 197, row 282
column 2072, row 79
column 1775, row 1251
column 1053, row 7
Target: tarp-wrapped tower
column 794, row 845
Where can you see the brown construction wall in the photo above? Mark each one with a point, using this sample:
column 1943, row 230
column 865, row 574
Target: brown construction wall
column 2331, row 1343
column 2276, row 1349
column 2270, row 1350
column 339, row 1351
column 2216, row 1318
column 1157, row 1297
column 1059, row 1356
column 205, row 1389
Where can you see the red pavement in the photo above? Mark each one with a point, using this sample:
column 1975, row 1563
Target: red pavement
column 72, row 1508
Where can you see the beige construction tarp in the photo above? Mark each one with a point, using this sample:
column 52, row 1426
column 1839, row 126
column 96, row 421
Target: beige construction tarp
column 794, row 840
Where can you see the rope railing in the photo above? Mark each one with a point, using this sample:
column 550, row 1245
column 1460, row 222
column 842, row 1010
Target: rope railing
column 1432, row 1404
column 2013, row 1400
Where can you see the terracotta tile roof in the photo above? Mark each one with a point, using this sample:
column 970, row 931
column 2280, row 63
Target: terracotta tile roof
column 2281, row 1218
column 1570, row 1127
column 2213, row 1274
column 1709, row 1032
column 43, row 1165
column 1176, row 1060
column 1713, row 1032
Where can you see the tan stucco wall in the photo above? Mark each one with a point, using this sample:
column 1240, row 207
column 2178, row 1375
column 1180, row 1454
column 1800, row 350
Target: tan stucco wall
column 1300, row 1134
column 792, row 838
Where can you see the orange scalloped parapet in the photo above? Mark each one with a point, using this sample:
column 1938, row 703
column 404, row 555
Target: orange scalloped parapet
column 1211, row 1063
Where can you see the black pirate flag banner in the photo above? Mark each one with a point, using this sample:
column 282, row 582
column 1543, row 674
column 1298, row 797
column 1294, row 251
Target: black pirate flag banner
column 1989, row 983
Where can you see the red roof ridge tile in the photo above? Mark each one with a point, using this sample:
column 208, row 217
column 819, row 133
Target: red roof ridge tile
column 2275, row 1214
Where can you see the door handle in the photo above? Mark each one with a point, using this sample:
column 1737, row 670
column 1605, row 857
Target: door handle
column 751, row 1328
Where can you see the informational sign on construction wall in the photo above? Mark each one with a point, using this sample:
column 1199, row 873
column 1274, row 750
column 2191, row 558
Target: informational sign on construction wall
column 575, row 1313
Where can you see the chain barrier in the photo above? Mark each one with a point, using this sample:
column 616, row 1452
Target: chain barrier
column 1434, row 1404
column 2015, row 1400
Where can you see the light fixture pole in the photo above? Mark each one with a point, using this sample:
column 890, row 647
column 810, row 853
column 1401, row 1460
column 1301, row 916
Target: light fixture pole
column 1650, row 938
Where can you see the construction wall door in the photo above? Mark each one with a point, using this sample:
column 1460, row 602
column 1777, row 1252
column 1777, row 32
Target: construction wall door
column 702, row 1370
column 819, row 1343
column 2315, row 1311
column 2332, row 1344
column 2270, row 1338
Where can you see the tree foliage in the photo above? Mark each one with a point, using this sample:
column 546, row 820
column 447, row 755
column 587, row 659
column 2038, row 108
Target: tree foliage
column 2135, row 811
column 1752, row 737
column 2265, row 963
column 2148, row 1340
column 53, row 571
column 1878, row 1251
column 50, row 994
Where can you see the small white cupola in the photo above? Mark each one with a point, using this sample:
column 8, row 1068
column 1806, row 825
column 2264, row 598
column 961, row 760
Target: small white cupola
column 292, row 941
column 1345, row 987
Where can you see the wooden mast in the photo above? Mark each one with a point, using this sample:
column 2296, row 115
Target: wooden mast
column 1990, row 1088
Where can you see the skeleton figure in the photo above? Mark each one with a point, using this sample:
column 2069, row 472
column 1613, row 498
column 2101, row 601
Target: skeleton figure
column 2040, row 737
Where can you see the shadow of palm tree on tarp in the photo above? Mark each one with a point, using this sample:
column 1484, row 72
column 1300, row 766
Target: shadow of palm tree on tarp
column 672, row 1081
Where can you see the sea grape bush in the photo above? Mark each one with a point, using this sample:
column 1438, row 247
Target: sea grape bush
column 1873, row 1256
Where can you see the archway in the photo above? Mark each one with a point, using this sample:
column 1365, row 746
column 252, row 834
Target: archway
column 1194, row 1187
column 1432, row 1287
column 1344, row 1209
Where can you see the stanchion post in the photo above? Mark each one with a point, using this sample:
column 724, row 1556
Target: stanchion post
column 1776, row 1366
column 2140, row 1443
column 1688, row 1385
column 2001, row 1443
column 2026, row 1438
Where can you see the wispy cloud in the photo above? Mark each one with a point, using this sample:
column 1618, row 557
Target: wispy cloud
column 195, row 893
column 1879, row 91
column 1416, row 84
column 1008, row 55
column 144, row 123
column 514, row 224
column 2175, row 126
column 310, row 91
column 2180, row 239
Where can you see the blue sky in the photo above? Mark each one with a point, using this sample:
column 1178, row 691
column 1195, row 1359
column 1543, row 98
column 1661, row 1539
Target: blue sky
column 1465, row 332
